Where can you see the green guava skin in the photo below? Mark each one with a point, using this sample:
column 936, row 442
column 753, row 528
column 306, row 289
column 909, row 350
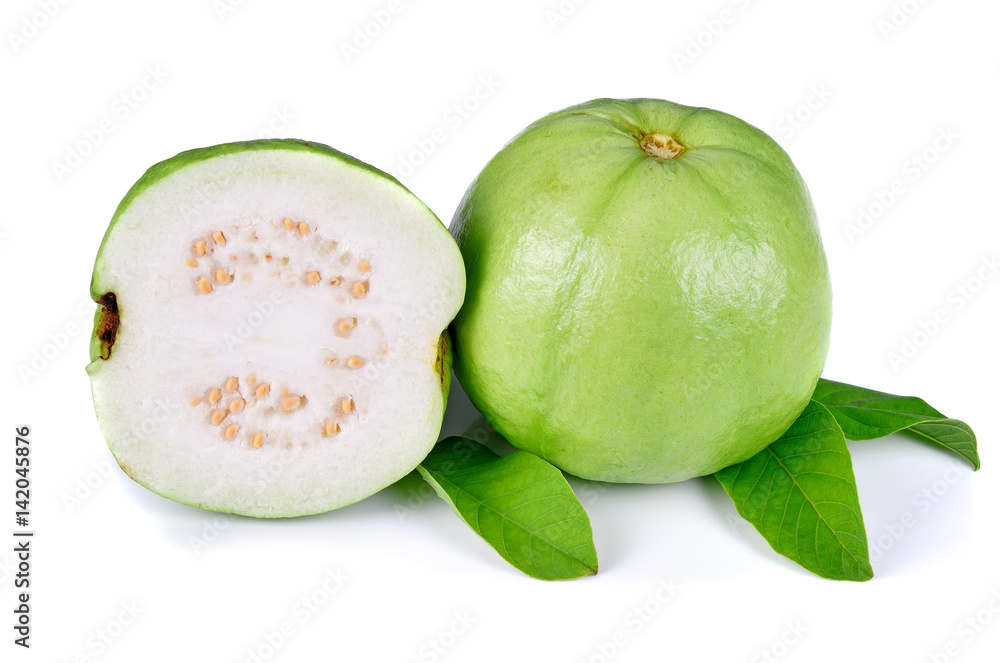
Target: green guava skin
column 640, row 319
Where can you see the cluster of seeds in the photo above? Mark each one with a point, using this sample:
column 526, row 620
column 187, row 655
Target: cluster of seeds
column 229, row 403
column 200, row 249
column 213, row 271
column 245, row 409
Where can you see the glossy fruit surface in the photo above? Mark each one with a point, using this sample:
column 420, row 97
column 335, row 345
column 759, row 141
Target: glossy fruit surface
column 648, row 297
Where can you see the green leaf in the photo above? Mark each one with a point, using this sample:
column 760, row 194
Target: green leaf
column 520, row 504
column 800, row 494
column 864, row 414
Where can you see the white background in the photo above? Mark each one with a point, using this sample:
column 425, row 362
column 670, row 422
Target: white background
column 879, row 97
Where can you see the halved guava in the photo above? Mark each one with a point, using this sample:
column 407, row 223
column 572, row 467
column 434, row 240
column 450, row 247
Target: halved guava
column 269, row 339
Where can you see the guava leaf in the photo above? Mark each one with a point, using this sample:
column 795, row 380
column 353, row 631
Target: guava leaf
column 520, row 504
column 864, row 414
column 800, row 494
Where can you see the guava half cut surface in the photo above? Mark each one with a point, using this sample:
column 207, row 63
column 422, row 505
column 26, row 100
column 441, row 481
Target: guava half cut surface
column 270, row 334
column 648, row 296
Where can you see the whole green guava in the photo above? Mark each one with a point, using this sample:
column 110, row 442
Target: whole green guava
column 648, row 299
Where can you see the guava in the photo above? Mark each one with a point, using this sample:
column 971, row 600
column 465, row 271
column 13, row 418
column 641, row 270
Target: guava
column 270, row 338
column 648, row 297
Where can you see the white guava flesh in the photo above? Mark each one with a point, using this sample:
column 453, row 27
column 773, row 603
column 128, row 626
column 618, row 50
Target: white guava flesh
column 270, row 333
